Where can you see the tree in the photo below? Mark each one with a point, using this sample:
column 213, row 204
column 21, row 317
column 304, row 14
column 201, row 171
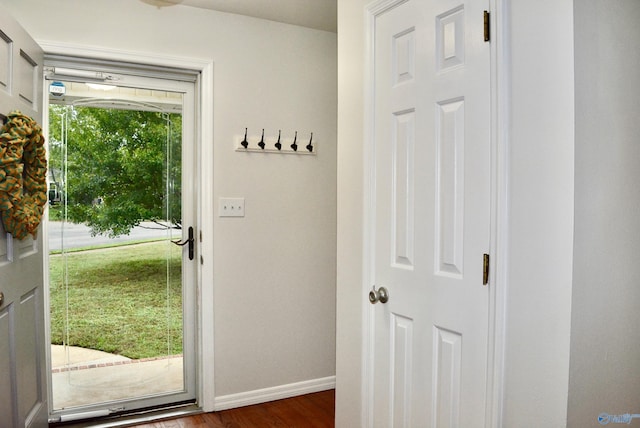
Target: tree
column 122, row 166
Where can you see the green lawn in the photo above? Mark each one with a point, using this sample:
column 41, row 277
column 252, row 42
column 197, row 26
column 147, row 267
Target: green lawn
column 119, row 300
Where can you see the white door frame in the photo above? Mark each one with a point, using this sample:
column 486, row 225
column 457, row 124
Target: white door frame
column 500, row 104
column 204, row 134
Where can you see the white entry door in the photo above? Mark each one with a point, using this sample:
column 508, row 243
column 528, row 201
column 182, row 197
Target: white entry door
column 430, row 213
column 23, row 391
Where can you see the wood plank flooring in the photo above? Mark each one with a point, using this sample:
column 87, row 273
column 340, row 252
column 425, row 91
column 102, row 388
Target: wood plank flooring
column 306, row 411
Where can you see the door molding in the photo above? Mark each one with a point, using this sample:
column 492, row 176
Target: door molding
column 500, row 124
column 204, row 134
column 500, row 104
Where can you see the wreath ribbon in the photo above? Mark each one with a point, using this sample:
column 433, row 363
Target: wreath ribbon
column 23, row 175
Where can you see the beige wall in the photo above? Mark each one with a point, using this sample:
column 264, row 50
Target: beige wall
column 274, row 270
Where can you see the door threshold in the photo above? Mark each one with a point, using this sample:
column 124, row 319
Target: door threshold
column 136, row 417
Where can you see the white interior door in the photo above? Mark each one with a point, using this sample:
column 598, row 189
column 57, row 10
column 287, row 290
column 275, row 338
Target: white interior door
column 431, row 221
column 23, row 389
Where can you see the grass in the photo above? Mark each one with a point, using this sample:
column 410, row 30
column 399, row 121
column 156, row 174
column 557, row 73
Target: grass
column 104, row 246
column 125, row 300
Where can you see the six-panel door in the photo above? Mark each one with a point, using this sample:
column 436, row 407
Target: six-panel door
column 432, row 213
column 22, row 339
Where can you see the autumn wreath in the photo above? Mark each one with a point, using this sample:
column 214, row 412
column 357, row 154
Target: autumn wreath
column 23, row 175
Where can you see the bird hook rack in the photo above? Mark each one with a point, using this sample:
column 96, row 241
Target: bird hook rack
column 278, row 147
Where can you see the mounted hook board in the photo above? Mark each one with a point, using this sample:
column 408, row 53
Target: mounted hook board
column 295, row 145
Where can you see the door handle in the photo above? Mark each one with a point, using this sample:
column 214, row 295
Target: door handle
column 1, row 298
column 191, row 241
column 380, row 295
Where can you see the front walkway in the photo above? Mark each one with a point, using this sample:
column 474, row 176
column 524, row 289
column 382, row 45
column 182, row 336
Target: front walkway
column 83, row 376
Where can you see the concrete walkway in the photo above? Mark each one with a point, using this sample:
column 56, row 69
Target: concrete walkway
column 69, row 357
column 82, row 377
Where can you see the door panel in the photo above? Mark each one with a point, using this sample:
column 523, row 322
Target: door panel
column 22, row 344
column 432, row 211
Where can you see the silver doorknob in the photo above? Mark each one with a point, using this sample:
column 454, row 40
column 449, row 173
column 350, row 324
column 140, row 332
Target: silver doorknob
column 380, row 295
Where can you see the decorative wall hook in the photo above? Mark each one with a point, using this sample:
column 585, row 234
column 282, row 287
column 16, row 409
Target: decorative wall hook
column 309, row 146
column 269, row 145
column 278, row 145
column 244, row 142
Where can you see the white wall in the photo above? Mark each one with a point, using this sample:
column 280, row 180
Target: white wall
column 351, row 72
column 605, row 339
column 540, row 227
column 274, row 270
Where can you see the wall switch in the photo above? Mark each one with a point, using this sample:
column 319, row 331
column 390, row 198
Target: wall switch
column 231, row 207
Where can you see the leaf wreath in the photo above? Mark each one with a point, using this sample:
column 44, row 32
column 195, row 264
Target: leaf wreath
column 23, row 175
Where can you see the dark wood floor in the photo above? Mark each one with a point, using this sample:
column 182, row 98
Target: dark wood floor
column 313, row 411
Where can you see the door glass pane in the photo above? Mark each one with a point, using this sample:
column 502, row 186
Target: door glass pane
column 116, row 295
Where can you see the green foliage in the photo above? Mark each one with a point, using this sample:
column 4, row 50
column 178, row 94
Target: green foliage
column 124, row 300
column 123, row 166
column 56, row 213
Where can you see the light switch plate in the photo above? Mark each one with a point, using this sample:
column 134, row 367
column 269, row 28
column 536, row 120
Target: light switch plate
column 231, row 207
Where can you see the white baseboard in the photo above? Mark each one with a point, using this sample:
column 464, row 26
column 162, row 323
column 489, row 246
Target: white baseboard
column 274, row 393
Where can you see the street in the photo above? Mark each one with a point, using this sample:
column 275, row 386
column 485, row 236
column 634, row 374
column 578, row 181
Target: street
column 78, row 235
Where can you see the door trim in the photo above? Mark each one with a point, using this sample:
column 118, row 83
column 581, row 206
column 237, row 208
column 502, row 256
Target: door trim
column 500, row 75
column 500, row 103
column 204, row 133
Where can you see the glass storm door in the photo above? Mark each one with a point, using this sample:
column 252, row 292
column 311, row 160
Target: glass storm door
column 121, row 290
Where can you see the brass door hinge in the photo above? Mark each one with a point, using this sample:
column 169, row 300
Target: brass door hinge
column 485, row 269
column 487, row 26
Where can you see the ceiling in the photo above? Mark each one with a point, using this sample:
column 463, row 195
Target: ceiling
column 317, row 14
